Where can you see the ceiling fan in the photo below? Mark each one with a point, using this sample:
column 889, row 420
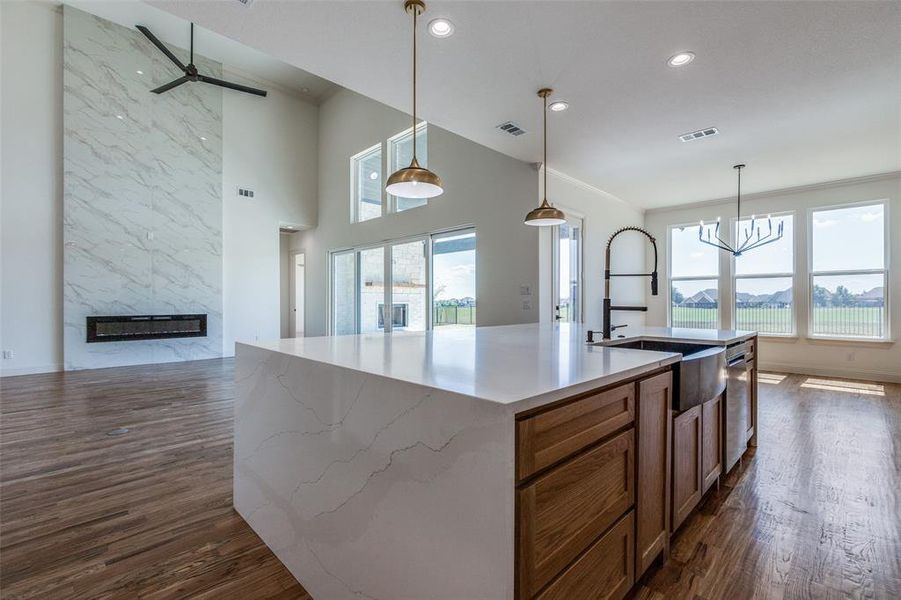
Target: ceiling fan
column 190, row 70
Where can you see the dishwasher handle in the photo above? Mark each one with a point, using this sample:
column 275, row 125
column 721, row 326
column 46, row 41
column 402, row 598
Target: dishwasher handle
column 736, row 361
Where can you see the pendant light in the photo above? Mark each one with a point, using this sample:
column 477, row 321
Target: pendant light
column 746, row 239
column 414, row 181
column 545, row 215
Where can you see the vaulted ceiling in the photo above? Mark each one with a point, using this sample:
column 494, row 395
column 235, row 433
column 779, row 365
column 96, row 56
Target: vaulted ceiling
column 803, row 92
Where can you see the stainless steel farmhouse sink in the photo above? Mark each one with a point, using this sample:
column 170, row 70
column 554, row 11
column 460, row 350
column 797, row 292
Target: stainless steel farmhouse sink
column 699, row 377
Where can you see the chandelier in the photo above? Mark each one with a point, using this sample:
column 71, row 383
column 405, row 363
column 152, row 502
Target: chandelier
column 747, row 239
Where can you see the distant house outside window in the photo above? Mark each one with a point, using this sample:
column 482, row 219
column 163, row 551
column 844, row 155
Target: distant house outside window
column 764, row 280
column 693, row 280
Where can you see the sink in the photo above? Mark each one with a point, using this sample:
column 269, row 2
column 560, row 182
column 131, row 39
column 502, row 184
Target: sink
column 700, row 375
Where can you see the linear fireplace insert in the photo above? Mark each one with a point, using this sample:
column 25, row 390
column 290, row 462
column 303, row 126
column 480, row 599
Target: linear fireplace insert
column 123, row 328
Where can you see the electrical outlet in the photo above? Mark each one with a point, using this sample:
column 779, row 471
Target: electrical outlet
column 245, row 192
column 527, row 305
column 8, row 354
column 525, row 290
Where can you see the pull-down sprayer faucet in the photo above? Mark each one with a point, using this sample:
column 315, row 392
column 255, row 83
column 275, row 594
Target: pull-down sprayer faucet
column 608, row 307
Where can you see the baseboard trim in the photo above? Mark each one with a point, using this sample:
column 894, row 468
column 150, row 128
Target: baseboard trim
column 860, row 374
column 13, row 372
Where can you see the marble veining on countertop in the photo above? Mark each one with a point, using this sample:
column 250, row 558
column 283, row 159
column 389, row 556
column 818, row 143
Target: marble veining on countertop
column 506, row 364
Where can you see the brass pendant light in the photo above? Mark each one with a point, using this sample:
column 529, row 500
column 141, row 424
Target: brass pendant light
column 545, row 215
column 414, row 181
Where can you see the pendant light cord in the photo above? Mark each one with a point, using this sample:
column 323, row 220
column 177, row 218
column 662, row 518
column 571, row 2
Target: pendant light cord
column 415, row 13
column 739, row 193
column 545, row 148
column 192, row 44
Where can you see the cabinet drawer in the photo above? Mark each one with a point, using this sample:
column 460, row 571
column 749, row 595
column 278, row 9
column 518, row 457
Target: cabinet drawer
column 605, row 572
column 550, row 436
column 565, row 509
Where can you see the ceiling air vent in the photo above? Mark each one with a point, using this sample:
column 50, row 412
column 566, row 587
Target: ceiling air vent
column 246, row 2
column 700, row 133
column 511, row 128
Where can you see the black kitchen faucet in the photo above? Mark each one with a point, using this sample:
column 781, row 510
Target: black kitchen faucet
column 608, row 307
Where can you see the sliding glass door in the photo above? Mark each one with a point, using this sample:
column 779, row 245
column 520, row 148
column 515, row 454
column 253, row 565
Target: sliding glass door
column 430, row 283
column 567, row 266
column 454, row 279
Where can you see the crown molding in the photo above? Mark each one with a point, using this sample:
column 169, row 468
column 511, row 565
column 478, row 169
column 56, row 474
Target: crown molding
column 590, row 188
column 781, row 191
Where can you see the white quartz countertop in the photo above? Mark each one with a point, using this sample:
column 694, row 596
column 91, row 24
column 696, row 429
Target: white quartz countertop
column 509, row 364
column 718, row 337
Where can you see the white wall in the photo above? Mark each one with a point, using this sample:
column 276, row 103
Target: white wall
column 867, row 360
column 602, row 215
column 482, row 188
column 270, row 145
column 273, row 151
column 31, row 117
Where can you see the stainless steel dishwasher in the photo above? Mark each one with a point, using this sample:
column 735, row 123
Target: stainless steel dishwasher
column 738, row 403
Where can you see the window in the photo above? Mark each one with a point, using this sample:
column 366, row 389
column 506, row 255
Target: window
column 693, row 280
column 763, row 280
column 360, row 299
column 454, row 279
column 343, row 293
column 366, row 176
column 566, row 261
column 847, row 288
column 409, row 287
column 370, row 288
column 400, row 152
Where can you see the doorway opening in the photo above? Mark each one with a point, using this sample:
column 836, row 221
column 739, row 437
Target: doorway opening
column 298, row 279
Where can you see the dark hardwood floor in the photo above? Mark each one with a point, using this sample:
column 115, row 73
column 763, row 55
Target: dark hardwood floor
column 85, row 513
column 815, row 513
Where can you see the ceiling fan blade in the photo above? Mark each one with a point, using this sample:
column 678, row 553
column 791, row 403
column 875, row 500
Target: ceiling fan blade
column 231, row 86
column 171, row 84
column 162, row 47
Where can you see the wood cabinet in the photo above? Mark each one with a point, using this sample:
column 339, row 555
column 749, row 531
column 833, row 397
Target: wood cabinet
column 712, row 441
column 564, row 510
column 655, row 397
column 551, row 436
column 604, row 572
column 687, row 468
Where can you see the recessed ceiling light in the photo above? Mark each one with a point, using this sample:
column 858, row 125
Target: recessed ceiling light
column 139, row 72
column 374, row 175
column 559, row 105
column 203, row 138
column 441, row 28
column 681, row 59
column 120, row 117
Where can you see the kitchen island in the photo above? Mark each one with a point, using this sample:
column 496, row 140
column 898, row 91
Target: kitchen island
column 493, row 462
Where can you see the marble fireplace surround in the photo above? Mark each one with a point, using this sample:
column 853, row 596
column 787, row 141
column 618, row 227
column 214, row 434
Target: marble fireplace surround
column 142, row 201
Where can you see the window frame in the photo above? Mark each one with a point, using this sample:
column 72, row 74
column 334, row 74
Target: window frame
column 885, row 271
column 572, row 218
column 390, row 143
column 387, row 247
column 670, row 279
column 355, row 183
column 790, row 275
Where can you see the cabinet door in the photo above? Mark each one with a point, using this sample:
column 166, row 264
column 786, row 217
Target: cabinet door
column 687, row 469
column 564, row 510
column 604, row 572
column 655, row 397
column 712, row 456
